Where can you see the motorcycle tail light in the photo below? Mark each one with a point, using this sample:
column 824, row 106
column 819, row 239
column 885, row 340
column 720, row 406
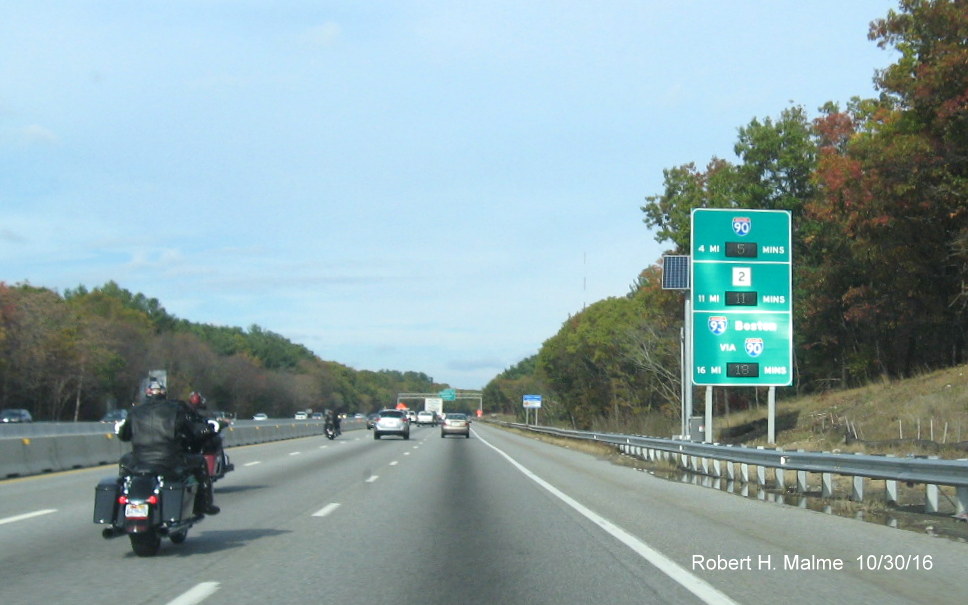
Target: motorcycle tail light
column 152, row 499
column 122, row 499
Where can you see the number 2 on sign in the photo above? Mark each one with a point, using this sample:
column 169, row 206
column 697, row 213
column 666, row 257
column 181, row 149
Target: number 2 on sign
column 742, row 276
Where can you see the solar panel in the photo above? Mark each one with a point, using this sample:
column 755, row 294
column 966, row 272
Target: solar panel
column 675, row 272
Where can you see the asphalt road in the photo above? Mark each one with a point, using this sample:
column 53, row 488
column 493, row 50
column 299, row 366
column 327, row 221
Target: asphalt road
column 497, row 518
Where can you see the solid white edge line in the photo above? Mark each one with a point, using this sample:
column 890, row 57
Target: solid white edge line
column 326, row 509
column 25, row 516
column 196, row 594
column 695, row 585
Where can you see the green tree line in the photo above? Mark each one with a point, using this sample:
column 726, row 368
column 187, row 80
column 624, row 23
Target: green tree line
column 878, row 194
column 75, row 356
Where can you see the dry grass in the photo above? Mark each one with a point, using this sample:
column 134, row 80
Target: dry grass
column 889, row 417
column 895, row 417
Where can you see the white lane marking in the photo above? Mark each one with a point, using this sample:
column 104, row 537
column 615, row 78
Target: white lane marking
column 702, row 589
column 322, row 447
column 406, row 453
column 372, row 478
column 394, row 463
column 24, row 516
column 196, row 594
column 294, row 453
column 252, row 463
column 326, row 509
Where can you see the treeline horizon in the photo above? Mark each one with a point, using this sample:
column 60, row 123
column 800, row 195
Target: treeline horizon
column 77, row 355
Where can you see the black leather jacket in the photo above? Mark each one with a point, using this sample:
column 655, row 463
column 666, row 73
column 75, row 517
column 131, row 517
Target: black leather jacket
column 163, row 432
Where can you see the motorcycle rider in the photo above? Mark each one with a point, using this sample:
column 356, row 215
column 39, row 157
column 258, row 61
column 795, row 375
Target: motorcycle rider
column 165, row 432
column 332, row 421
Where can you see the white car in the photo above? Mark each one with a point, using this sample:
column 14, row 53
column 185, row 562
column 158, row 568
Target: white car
column 301, row 416
column 260, row 416
column 426, row 417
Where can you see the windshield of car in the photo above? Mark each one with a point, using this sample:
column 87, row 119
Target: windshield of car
column 456, row 416
column 391, row 414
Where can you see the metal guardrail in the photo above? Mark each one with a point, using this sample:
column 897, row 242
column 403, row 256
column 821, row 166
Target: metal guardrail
column 709, row 458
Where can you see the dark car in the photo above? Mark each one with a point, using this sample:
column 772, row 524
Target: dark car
column 15, row 415
column 371, row 420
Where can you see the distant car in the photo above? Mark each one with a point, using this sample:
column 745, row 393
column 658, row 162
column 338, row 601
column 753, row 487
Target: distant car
column 260, row 416
column 15, row 415
column 392, row 422
column 371, row 420
column 115, row 415
column 411, row 416
column 317, row 416
column 226, row 418
column 301, row 416
column 426, row 417
column 456, row 424
column 358, row 416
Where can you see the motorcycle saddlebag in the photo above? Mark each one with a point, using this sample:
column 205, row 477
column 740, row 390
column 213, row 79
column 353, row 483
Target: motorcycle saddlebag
column 178, row 500
column 106, row 500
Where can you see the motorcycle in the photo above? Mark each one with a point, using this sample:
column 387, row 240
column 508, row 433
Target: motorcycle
column 147, row 504
column 330, row 431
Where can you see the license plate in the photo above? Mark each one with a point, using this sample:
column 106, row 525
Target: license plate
column 136, row 511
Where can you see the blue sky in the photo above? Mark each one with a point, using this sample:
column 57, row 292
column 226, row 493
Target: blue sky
column 429, row 186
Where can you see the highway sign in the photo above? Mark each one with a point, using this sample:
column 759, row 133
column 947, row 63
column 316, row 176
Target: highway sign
column 448, row 394
column 741, row 295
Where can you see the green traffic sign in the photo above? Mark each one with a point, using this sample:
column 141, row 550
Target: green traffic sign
column 741, row 296
column 448, row 394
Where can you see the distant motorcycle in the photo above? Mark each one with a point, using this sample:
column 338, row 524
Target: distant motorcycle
column 147, row 503
column 330, row 431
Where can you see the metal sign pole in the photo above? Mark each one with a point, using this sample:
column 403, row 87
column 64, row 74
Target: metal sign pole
column 771, row 416
column 708, row 432
column 687, row 368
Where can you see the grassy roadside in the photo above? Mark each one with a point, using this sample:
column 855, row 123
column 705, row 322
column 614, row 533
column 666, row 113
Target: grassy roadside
column 922, row 416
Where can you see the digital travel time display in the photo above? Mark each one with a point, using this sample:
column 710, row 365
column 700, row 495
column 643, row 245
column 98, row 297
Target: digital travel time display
column 741, row 249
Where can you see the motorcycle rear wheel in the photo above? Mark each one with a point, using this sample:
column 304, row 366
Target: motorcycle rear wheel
column 145, row 544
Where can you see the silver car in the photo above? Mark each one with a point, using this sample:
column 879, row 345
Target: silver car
column 392, row 422
column 456, row 424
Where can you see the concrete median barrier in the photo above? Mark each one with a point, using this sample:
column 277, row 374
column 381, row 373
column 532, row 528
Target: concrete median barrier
column 35, row 454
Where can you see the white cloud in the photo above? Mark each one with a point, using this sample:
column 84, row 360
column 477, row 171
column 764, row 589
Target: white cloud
column 34, row 134
column 327, row 34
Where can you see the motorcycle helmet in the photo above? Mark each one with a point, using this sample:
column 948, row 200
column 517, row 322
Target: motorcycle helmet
column 196, row 400
column 156, row 390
